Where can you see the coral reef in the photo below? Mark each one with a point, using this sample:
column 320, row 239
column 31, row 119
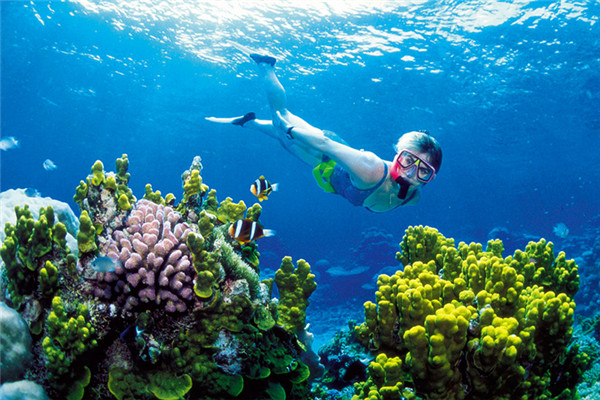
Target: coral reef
column 464, row 323
column 180, row 313
column 344, row 359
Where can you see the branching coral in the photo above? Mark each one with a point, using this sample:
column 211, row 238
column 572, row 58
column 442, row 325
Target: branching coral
column 104, row 200
column 156, row 265
column 295, row 287
column 69, row 336
column 31, row 252
column 468, row 323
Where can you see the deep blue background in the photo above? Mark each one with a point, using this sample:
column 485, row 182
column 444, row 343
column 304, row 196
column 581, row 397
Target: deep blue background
column 512, row 92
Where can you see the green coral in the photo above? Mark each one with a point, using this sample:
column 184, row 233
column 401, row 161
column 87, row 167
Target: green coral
column 254, row 212
column 211, row 203
column 250, row 254
column 127, row 385
column 86, row 237
column 110, row 183
column 166, row 386
column 69, row 336
column 207, row 266
column 193, row 190
column 122, row 179
column 124, row 203
column 27, row 247
column 153, row 196
column 81, row 193
column 385, row 380
column 102, row 190
column 193, row 186
column 457, row 316
column 229, row 211
column 295, row 287
column 48, row 279
column 206, row 223
column 97, row 177
column 122, row 167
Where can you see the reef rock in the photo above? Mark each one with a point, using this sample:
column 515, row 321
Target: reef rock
column 22, row 390
column 15, row 345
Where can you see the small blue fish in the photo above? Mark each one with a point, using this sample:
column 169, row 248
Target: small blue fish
column 561, row 230
column 31, row 192
column 49, row 165
column 9, row 142
column 105, row 264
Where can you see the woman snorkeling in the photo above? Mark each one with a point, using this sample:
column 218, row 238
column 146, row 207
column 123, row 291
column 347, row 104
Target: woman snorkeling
column 360, row 176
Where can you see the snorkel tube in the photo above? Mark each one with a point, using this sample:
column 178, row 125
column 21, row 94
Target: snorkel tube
column 395, row 173
column 404, row 186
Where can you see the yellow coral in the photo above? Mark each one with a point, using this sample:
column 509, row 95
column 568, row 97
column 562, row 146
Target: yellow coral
column 456, row 311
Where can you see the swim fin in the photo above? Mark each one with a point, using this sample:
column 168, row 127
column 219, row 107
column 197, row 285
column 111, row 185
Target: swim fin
column 242, row 120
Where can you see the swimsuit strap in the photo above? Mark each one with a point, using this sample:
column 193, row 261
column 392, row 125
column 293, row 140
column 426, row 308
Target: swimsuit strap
column 385, row 172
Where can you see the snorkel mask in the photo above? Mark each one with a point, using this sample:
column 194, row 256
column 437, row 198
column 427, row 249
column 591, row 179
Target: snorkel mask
column 412, row 165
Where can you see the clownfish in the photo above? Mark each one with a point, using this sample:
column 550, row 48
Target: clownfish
column 262, row 188
column 247, row 230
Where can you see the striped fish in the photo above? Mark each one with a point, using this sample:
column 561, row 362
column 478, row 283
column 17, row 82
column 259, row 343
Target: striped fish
column 262, row 188
column 247, row 230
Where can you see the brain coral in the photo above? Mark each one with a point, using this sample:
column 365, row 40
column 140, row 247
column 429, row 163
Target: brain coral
column 155, row 263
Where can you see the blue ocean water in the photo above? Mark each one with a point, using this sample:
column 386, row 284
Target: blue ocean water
column 510, row 89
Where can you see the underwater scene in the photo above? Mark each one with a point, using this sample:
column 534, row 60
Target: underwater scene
column 318, row 199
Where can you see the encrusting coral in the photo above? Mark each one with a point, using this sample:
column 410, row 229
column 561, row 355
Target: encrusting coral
column 464, row 323
column 162, row 303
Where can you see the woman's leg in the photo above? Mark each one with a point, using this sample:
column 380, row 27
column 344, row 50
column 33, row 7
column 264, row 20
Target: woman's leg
column 277, row 103
column 275, row 92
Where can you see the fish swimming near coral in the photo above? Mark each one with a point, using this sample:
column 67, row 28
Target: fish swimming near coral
column 105, row 264
column 8, row 143
column 262, row 188
column 561, row 230
column 31, row 192
column 247, row 230
column 49, row 165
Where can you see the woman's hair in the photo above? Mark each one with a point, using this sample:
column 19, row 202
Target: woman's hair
column 422, row 142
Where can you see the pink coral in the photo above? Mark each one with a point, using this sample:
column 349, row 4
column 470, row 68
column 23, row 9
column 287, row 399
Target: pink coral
column 155, row 263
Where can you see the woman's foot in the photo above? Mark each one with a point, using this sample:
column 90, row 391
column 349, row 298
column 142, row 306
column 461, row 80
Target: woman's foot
column 235, row 120
column 260, row 59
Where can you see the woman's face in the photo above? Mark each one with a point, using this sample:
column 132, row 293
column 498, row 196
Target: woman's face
column 413, row 166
